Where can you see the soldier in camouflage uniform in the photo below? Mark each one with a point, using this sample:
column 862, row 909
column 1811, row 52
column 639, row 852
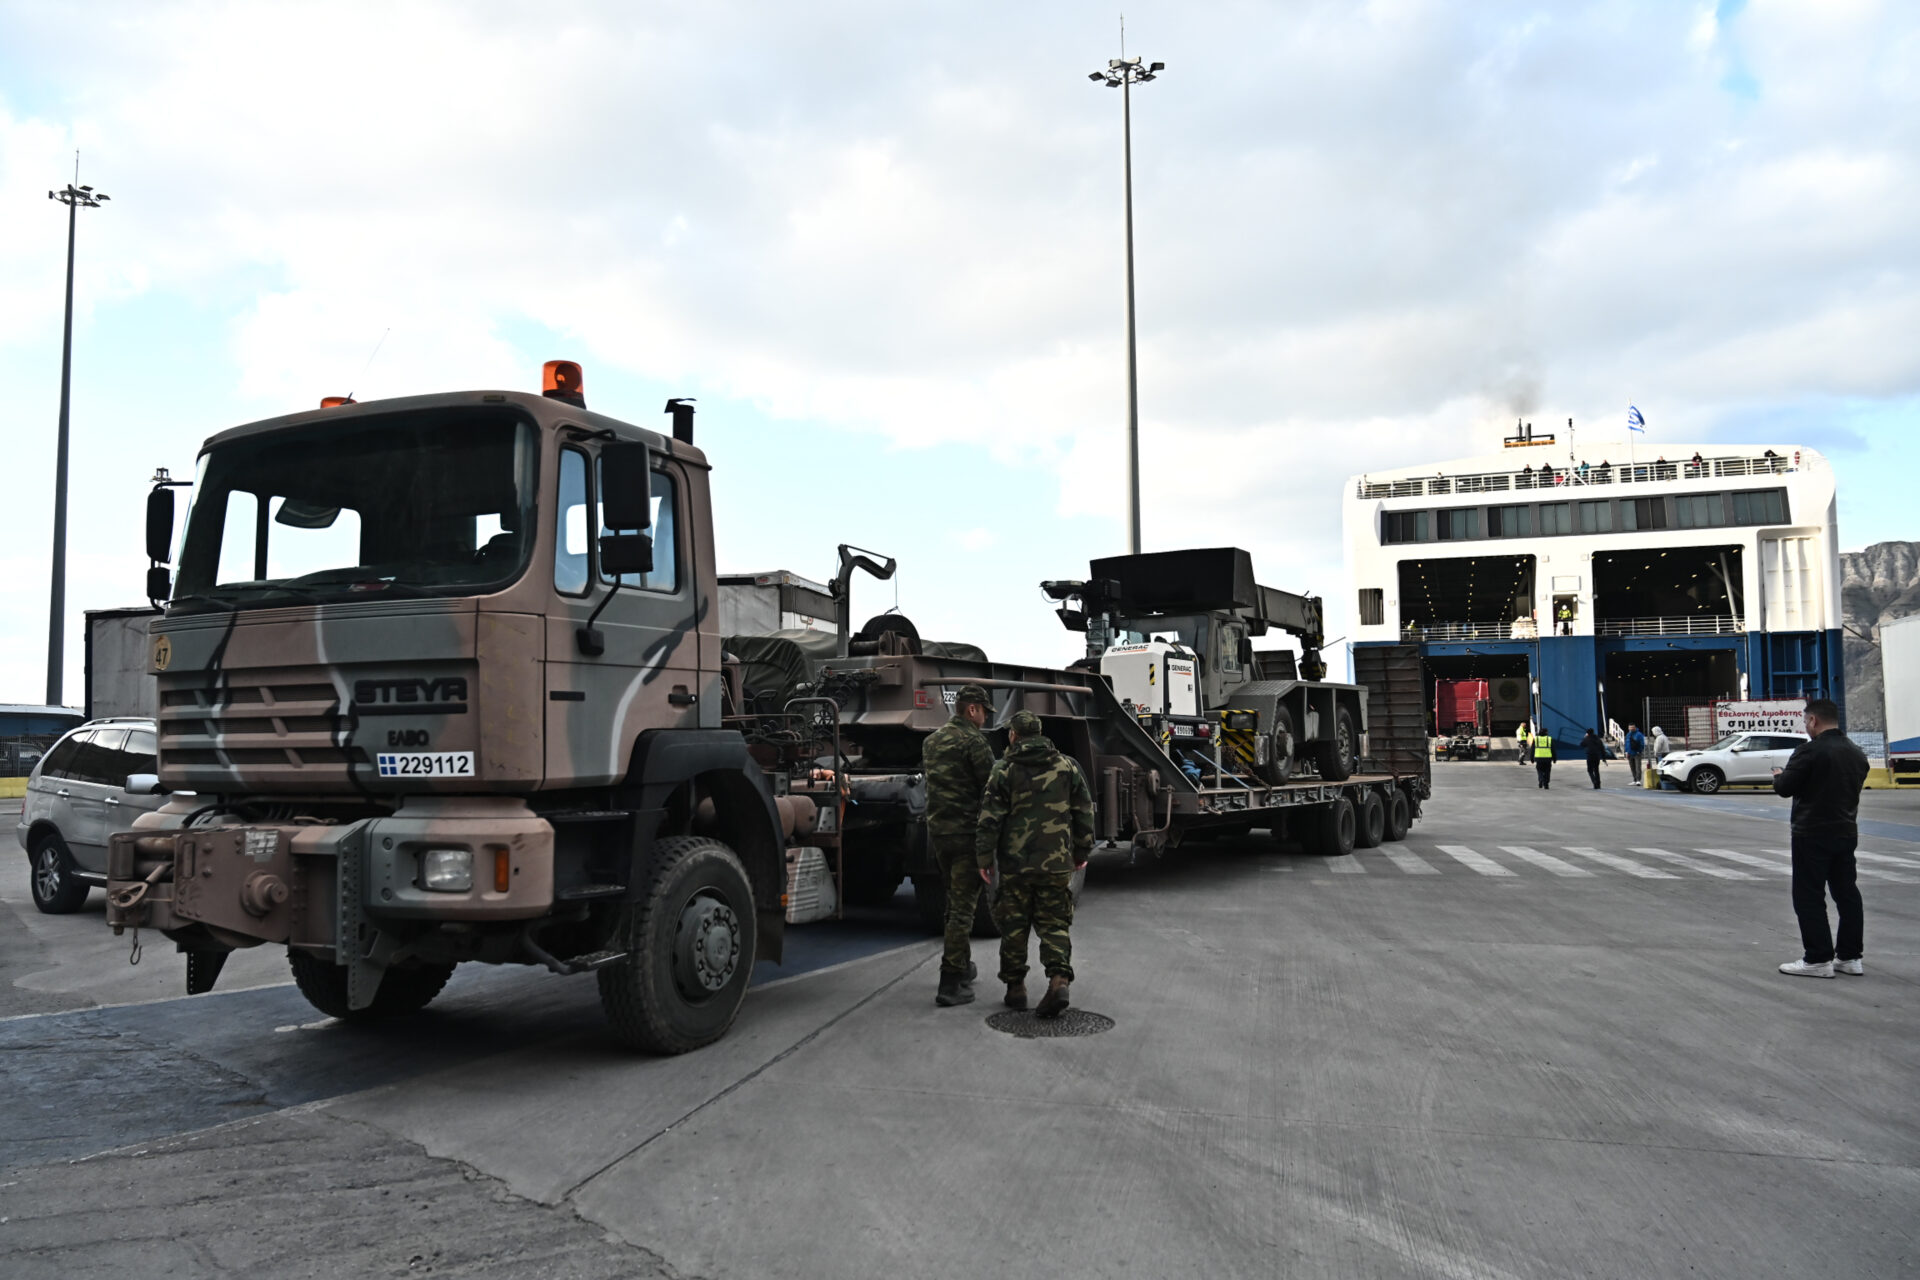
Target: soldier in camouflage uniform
column 1037, row 824
column 957, row 759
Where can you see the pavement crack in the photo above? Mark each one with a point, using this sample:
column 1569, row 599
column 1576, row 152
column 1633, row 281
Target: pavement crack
column 754, row 1074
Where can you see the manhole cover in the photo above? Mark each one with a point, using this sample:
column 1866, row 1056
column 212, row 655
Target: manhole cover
column 1074, row 1022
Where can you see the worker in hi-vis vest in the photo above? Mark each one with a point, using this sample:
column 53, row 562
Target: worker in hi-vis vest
column 1543, row 758
column 1525, row 735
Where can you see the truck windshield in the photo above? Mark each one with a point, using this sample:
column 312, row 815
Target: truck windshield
column 1188, row 632
column 437, row 503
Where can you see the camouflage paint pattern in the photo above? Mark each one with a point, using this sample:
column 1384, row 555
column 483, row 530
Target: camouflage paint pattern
column 263, row 701
column 954, row 855
column 1041, row 903
column 292, row 706
column 957, row 760
column 1037, row 815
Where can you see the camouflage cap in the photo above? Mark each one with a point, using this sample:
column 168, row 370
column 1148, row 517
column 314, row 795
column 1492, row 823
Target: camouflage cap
column 972, row 693
column 1025, row 723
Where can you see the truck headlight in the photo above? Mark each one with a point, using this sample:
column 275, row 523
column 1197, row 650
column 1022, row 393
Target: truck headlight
column 446, row 870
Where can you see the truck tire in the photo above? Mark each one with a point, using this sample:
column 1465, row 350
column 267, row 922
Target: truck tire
column 690, row 950
column 402, row 991
column 930, row 904
column 1399, row 816
column 56, row 890
column 1334, row 756
column 1279, row 766
column 1333, row 829
column 1370, row 823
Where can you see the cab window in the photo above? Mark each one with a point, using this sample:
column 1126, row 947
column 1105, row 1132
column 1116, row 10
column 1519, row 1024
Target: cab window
column 570, row 547
column 665, row 575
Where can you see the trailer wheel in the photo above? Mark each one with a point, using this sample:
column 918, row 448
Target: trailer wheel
column 1370, row 823
column 402, row 991
column 1333, row 757
column 930, row 902
column 870, row 888
column 1399, row 816
column 1334, row 829
column 690, row 950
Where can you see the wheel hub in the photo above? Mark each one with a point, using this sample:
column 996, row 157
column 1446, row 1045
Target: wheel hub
column 46, row 873
column 707, row 950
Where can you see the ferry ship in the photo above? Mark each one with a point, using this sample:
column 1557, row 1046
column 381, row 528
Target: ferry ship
column 1587, row 587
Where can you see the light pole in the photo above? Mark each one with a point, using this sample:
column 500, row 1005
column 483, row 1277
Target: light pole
column 1123, row 74
column 76, row 199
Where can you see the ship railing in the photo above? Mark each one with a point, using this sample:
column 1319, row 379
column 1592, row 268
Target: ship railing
column 1580, row 475
column 1453, row 632
column 1684, row 625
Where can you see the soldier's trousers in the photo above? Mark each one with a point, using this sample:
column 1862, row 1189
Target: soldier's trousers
column 955, row 858
column 1040, row 902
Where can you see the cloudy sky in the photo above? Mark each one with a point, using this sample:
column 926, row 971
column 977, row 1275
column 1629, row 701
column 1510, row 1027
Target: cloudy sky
column 882, row 244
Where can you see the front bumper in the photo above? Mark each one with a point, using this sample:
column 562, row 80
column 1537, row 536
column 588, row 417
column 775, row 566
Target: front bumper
column 312, row 884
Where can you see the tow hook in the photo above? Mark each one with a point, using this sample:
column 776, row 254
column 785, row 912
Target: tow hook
column 134, row 894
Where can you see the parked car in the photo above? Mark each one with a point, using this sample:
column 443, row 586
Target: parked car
column 76, row 798
column 1738, row 757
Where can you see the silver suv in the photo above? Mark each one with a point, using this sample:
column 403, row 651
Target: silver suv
column 76, row 798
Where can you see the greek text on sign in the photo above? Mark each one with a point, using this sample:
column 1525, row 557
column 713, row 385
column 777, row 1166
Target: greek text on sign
column 1772, row 715
column 425, row 764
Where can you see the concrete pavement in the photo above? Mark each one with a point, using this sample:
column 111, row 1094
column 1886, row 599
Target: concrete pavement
column 1543, row 1037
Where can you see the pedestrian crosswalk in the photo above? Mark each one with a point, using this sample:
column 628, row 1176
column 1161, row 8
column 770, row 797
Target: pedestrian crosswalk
column 1579, row 862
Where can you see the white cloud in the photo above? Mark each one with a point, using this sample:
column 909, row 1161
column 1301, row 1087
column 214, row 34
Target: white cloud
column 1366, row 234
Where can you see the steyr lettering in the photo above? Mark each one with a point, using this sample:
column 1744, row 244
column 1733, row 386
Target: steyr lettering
column 445, row 695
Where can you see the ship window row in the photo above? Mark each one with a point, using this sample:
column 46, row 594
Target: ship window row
column 1606, row 515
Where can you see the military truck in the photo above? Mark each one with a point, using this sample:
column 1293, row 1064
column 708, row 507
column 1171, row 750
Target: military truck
column 1184, row 730
column 439, row 681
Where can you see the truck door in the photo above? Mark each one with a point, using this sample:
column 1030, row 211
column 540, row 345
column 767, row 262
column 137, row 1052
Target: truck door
column 646, row 674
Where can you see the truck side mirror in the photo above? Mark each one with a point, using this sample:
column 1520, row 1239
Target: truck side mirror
column 159, row 583
column 626, row 485
column 159, row 525
column 1072, row 619
column 624, row 553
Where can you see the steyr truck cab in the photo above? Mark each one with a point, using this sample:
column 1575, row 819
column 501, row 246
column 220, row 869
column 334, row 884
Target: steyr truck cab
column 443, row 678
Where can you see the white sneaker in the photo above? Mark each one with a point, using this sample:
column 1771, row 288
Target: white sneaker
column 1801, row 969
column 1853, row 967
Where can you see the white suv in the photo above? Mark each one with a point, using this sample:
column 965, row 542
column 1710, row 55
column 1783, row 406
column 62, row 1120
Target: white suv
column 1738, row 757
column 76, row 798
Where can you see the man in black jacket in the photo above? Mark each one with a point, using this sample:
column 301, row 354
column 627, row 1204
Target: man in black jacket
column 1596, row 749
column 1824, row 777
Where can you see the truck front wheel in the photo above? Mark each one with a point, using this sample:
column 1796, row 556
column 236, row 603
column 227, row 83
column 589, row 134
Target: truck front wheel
column 690, row 950
column 402, row 991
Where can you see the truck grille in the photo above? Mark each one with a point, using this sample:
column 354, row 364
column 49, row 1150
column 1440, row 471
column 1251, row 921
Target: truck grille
column 282, row 729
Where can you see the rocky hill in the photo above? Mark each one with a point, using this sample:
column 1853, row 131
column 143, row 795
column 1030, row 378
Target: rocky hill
column 1876, row 585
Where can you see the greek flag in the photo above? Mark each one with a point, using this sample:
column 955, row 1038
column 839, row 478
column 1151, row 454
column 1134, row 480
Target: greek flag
column 1634, row 421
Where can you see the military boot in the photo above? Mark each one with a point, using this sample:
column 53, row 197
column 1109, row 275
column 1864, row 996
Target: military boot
column 1054, row 1003
column 1016, row 995
column 954, row 989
